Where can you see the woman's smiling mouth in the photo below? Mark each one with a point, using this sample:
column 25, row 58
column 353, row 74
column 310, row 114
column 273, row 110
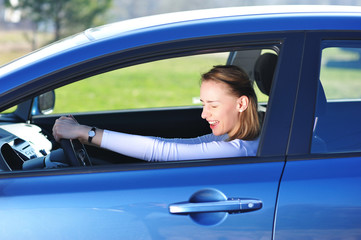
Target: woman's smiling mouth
column 213, row 124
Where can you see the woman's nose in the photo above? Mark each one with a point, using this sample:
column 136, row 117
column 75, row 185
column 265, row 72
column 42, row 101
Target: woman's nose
column 204, row 113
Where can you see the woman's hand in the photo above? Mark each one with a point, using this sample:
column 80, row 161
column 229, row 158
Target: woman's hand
column 69, row 128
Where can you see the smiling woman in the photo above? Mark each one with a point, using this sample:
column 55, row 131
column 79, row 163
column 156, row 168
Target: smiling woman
column 229, row 105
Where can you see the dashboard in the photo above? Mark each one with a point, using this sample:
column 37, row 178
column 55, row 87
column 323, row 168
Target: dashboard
column 20, row 142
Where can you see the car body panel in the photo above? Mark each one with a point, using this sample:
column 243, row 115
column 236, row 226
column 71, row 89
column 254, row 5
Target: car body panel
column 320, row 199
column 126, row 204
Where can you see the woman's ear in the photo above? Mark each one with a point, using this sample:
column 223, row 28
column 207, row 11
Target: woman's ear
column 242, row 103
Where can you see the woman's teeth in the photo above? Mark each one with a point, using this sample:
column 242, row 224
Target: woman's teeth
column 213, row 122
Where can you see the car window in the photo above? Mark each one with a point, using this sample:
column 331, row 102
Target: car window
column 337, row 125
column 164, row 83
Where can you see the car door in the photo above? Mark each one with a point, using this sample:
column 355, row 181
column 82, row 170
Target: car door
column 134, row 203
column 175, row 200
column 320, row 192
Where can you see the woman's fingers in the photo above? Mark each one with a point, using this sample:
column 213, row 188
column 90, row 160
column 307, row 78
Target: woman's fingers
column 64, row 127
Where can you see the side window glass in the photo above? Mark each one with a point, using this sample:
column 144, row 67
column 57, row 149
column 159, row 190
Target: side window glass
column 337, row 125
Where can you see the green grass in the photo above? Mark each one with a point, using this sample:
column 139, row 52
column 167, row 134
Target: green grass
column 167, row 83
column 338, row 82
column 341, row 83
column 164, row 83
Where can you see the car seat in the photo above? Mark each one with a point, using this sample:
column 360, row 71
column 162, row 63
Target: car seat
column 263, row 71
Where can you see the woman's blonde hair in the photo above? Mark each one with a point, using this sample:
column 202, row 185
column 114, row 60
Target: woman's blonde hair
column 239, row 84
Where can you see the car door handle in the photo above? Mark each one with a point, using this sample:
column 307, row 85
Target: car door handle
column 232, row 205
column 210, row 206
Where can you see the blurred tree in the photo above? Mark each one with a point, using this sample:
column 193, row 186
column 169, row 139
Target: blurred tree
column 64, row 17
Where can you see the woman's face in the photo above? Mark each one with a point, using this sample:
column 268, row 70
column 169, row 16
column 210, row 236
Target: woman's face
column 221, row 109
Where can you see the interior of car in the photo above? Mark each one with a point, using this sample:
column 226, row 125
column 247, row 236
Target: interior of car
column 23, row 141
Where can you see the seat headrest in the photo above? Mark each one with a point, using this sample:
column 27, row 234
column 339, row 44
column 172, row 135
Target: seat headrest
column 263, row 71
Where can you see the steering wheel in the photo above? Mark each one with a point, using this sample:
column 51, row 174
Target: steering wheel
column 75, row 153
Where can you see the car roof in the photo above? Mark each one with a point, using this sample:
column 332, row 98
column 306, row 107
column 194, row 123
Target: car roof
column 197, row 15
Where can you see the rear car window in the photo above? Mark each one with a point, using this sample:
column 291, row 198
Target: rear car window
column 337, row 125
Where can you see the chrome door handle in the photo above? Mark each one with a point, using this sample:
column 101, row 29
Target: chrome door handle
column 210, row 206
column 232, row 205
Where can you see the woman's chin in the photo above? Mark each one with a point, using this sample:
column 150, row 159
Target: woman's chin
column 217, row 133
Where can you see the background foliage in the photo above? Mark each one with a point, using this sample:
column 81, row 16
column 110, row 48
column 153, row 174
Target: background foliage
column 62, row 17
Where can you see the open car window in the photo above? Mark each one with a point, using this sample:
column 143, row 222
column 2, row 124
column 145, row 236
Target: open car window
column 164, row 83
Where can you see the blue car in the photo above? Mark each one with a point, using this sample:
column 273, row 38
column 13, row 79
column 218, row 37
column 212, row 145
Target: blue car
column 304, row 183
